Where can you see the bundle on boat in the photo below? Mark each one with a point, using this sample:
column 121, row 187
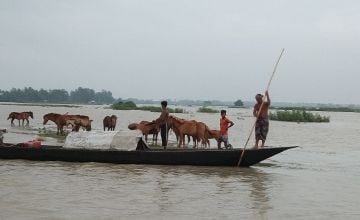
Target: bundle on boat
column 115, row 140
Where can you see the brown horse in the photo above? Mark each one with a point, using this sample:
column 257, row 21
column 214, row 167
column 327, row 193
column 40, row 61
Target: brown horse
column 192, row 128
column 146, row 128
column 20, row 116
column 58, row 119
column 212, row 134
column 176, row 131
column 109, row 122
column 77, row 121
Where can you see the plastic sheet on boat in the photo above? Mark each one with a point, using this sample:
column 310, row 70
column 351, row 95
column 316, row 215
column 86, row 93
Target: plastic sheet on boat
column 121, row 140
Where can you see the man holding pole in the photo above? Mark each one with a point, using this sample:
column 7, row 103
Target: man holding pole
column 262, row 125
column 260, row 111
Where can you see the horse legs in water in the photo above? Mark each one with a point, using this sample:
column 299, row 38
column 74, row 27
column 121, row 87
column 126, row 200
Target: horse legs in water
column 59, row 130
column 23, row 122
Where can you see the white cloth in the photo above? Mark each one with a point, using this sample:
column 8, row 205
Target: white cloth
column 121, row 140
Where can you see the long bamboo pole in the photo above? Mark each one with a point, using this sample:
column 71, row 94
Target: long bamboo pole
column 261, row 107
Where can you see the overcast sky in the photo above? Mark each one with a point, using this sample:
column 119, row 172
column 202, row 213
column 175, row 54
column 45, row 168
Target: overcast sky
column 185, row 49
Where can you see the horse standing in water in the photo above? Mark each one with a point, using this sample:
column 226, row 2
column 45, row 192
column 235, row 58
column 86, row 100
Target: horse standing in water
column 20, row 116
column 78, row 121
column 59, row 120
column 109, row 122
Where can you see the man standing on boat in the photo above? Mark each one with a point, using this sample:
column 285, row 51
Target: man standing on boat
column 260, row 111
column 225, row 124
column 162, row 120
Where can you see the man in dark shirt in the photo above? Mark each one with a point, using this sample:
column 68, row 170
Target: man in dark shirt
column 162, row 120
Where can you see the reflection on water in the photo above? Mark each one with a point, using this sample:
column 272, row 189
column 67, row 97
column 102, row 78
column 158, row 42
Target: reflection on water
column 319, row 180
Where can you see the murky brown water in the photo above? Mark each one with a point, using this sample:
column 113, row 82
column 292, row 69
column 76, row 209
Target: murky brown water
column 320, row 180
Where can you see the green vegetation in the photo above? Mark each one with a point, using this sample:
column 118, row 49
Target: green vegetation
column 79, row 95
column 239, row 103
column 129, row 105
column 207, row 110
column 52, row 134
column 325, row 109
column 297, row 116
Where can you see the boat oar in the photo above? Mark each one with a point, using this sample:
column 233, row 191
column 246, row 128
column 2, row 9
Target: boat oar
column 261, row 107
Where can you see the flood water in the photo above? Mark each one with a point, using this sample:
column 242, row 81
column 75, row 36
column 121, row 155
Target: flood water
column 318, row 180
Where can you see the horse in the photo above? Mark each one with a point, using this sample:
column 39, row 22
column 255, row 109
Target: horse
column 191, row 128
column 20, row 116
column 176, row 131
column 78, row 121
column 58, row 119
column 109, row 122
column 212, row 134
column 146, row 128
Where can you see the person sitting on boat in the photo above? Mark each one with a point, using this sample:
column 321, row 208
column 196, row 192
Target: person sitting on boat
column 2, row 132
column 261, row 109
column 225, row 124
column 162, row 120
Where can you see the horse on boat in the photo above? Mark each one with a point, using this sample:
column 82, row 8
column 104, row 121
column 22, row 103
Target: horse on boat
column 20, row 116
column 212, row 134
column 58, row 119
column 191, row 128
column 146, row 128
column 109, row 122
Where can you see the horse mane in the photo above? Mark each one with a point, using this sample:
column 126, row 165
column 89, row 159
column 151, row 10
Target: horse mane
column 30, row 113
column 179, row 120
column 52, row 114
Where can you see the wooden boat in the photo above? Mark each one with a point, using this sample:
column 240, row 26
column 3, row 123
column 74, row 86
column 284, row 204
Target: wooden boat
column 141, row 155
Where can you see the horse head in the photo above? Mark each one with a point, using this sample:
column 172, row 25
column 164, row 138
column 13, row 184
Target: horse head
column 88, row 127
column 31, row 114
column 51, row 117
column 12, row 115
column 46, row 119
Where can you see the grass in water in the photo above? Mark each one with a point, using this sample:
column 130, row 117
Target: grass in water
column 323, row 109
column 297, row 116
column 51, row 134
column 207, row 110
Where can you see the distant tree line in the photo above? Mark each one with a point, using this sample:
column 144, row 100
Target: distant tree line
column 79, row 95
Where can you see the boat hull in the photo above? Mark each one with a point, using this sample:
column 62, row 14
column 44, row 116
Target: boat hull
column 197, row 157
